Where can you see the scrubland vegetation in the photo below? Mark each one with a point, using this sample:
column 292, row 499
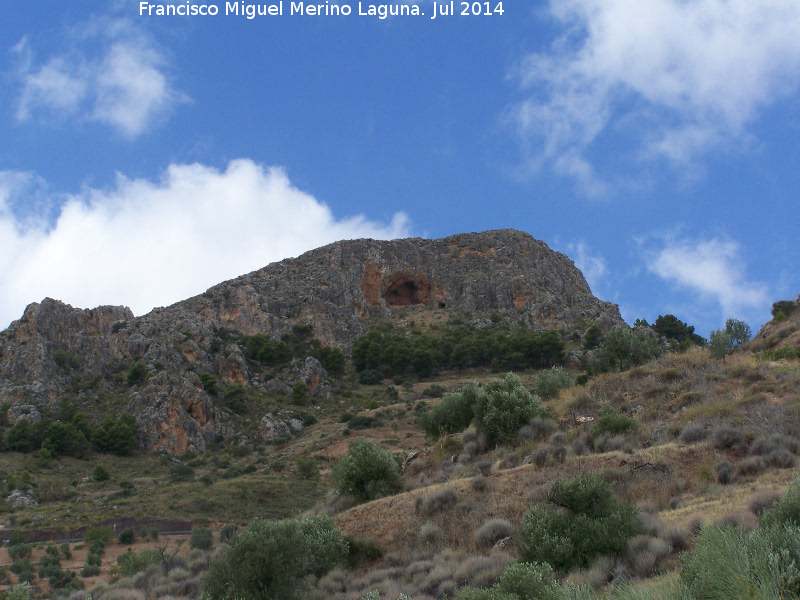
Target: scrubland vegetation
column 652, row 466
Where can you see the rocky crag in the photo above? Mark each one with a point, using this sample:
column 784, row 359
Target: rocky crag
column 339, row 289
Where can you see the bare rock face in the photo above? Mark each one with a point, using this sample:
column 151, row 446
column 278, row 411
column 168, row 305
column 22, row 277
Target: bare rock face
column 309, row 370
column 175, row 414
column 274, row 428
column 56, row 351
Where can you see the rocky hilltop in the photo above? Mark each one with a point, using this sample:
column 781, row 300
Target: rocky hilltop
column 56, row 351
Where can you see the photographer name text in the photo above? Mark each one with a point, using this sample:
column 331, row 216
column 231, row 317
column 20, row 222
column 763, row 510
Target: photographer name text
column 381, row 11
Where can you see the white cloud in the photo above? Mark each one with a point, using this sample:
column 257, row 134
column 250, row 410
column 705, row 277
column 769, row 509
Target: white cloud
column 686, row 75
column 593, row 266
column 146, row 244
column 124, row 86
column 713, row 269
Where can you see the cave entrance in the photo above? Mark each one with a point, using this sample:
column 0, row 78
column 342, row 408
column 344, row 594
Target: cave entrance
column 407, row 290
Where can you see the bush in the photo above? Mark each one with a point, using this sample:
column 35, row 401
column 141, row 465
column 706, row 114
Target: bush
column 90, row 570
column 137, row 374
column 728, row 438
column 725, row 341
column 127, row 536
column 367, row 472
column 202, row 538
column 434, row 391
column 725, row 472
column 103, row 533
column 20, row 591
column 101, row 473
column 257, row 565
column 727, row 562
column 491, row 532
column 19, row 551
column 308, row 468
column 550, row 383
column 361, row 552
column 453, row 414
column 786, row 511
column 209, row 382
column 623, row 348
column 23, row 569
column 181, row 472
column 527, row 580
column 439, row 500
column 502, row 407
column 613, row 422
column 591, row 523
column 117, row 436
column 227, row 533
column 693, row 433
column 370, row 377
column 131, row 563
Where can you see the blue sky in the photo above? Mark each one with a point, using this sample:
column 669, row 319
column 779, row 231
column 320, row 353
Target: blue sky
column 144, row 159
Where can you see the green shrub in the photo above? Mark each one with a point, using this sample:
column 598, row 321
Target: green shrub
column 20, row 591
column 623, row 348
column 502, row 407
column 227, row 533
column 209, row 382
column 131, row 563
column 127, row 536
column 90, row 570
column 23, row 569
column 361, row 552
column 613, row 422
column 101, row 533
column 308, row 468
column 367, row 472
column 453, row 414
column 202, row 538
column 66, row 359
column 19, row 551
column 787, row 307
column 727, row 562
column 101, row 473
column 181, row 472
column 137, row 374
column 550, row 383
column 434, row 391
column 529, row 581
column 491, row 532
column 117, row 436
column 272, row 559
column 786, row 511
column 66, row 551
column 370, row 377
column 591, row 523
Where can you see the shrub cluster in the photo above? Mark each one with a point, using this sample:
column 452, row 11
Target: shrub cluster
column 270, row 560
column 394, row 352
column 300, row 343
column 68, row 433
column 623, row 348
column 584, row 522
column 367, row 472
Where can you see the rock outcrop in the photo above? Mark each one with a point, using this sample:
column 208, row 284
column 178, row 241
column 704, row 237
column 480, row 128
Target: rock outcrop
column 56, row 350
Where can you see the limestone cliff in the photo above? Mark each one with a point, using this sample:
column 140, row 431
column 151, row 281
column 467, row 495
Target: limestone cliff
column 338, row 288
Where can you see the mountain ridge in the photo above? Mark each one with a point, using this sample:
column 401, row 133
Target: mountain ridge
column 55, row 350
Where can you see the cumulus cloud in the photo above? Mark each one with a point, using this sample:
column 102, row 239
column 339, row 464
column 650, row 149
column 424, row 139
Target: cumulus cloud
column 146, row 244
column 683, row 77
column 593, row 266
column 713, row 269
column 124, row 84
